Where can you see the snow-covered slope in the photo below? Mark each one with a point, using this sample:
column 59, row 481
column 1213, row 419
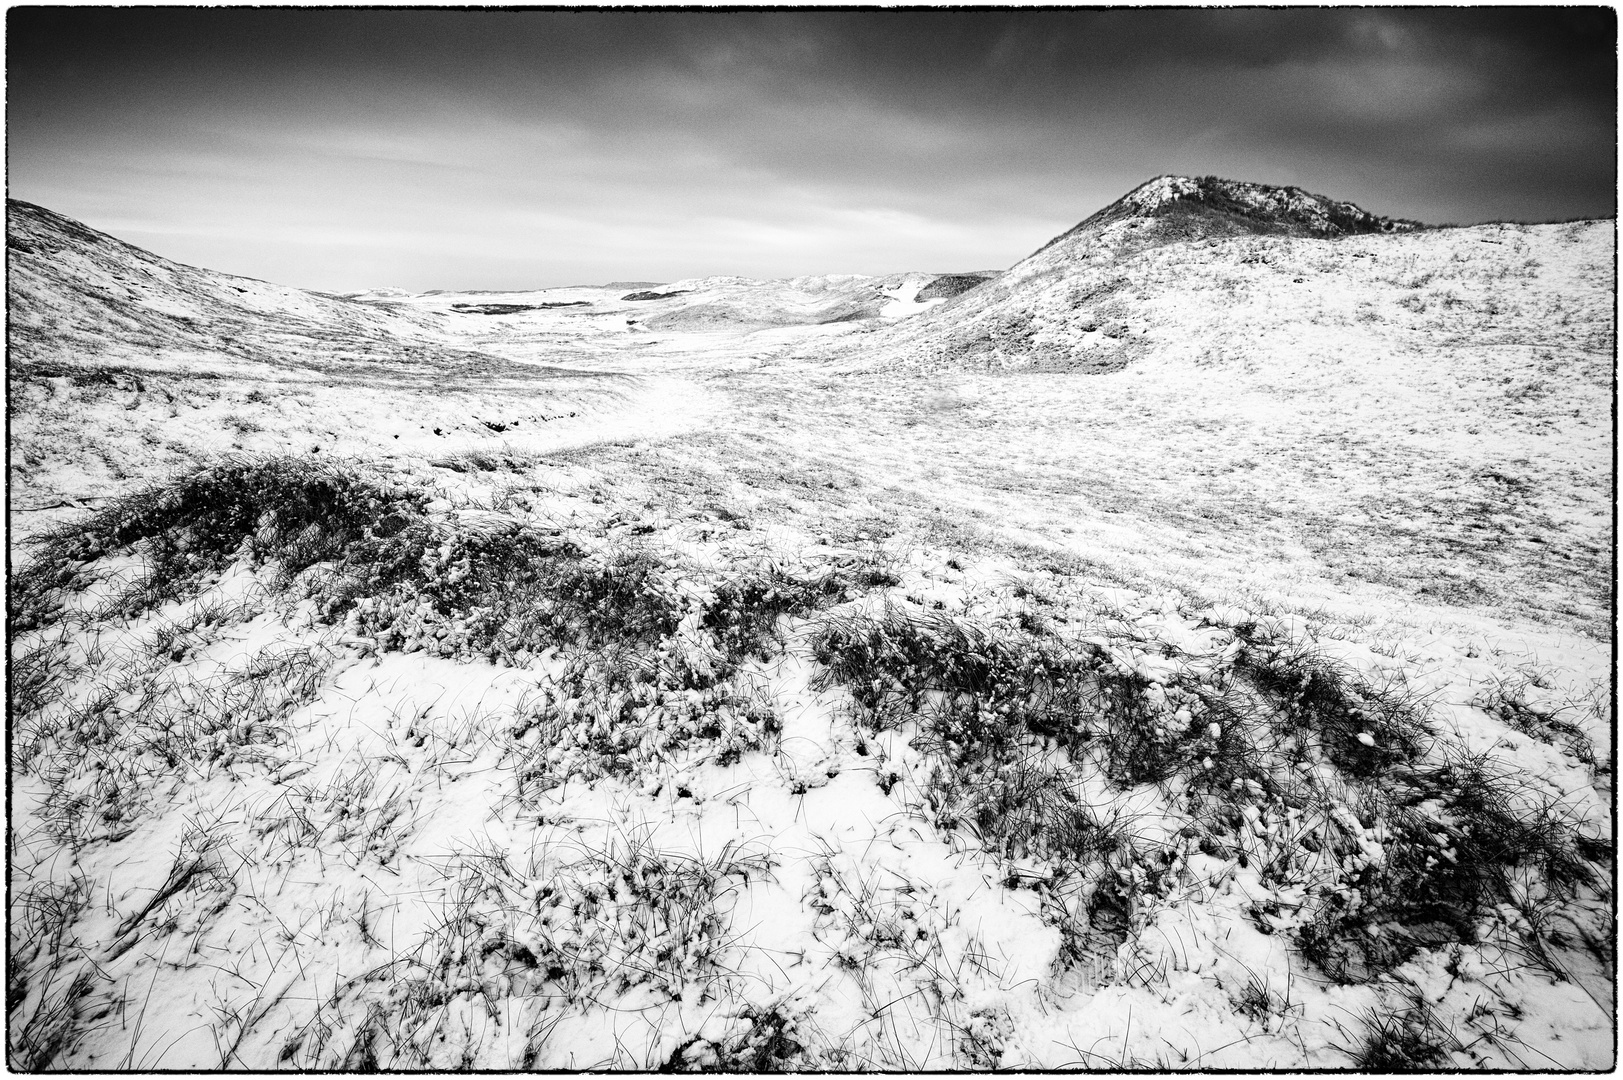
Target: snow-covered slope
column 1484, row 351
column 76, row 292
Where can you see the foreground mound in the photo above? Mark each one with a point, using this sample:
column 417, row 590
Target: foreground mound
column 313, row 769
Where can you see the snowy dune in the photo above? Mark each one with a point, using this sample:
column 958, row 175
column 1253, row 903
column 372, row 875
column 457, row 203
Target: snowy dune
column 1187, row 649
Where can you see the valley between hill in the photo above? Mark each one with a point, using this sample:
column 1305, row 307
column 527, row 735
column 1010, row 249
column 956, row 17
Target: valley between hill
column 1190, row 648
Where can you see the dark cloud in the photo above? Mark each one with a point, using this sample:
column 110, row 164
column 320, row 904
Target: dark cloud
column 566, row 144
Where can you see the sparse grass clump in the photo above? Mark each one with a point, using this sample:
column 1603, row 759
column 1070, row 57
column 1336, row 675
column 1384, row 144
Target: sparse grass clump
column 51, row 1026
column 631, row 720
column 1409, row 1039
column 770, row 1041
column 1259, row 1001
column 1364, row 731
column 101, row 757
column 42, row 916
column 575, row 931
column 37, row 676
column 1508, row 702
column 489, row 461
column 1461, row 841
column 744, row 612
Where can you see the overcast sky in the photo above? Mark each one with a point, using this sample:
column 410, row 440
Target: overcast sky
column 487, row 149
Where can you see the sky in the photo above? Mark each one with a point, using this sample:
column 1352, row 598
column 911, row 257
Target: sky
column 350, row 149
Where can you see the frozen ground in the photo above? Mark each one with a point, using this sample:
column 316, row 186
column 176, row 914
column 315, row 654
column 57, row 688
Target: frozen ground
column 1193, row 656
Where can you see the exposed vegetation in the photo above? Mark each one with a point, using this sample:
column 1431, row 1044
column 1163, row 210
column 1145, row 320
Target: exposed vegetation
column 1372, row 837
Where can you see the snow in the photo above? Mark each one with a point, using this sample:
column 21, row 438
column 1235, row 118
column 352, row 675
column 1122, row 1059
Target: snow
column 1421, row 496
column 902, row 300
column 1160, row 191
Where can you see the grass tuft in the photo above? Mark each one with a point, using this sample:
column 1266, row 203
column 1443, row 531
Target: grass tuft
column 1464, row 840
column 1365, row 731
column 1404, row 1040
column 770, row 1042
column 38, row 676
column 744, row 613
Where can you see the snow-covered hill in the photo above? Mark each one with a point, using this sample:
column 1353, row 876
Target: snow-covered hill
column 1211, row 265
column 76, row 293
column 1485, row 351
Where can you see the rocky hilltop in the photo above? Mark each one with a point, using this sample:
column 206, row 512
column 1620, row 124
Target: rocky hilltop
column 1179, row 207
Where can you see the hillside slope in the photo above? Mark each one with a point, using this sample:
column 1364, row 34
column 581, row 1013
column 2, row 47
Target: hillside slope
column 76, row 293
column 1071, row 303
column 1322, row 369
